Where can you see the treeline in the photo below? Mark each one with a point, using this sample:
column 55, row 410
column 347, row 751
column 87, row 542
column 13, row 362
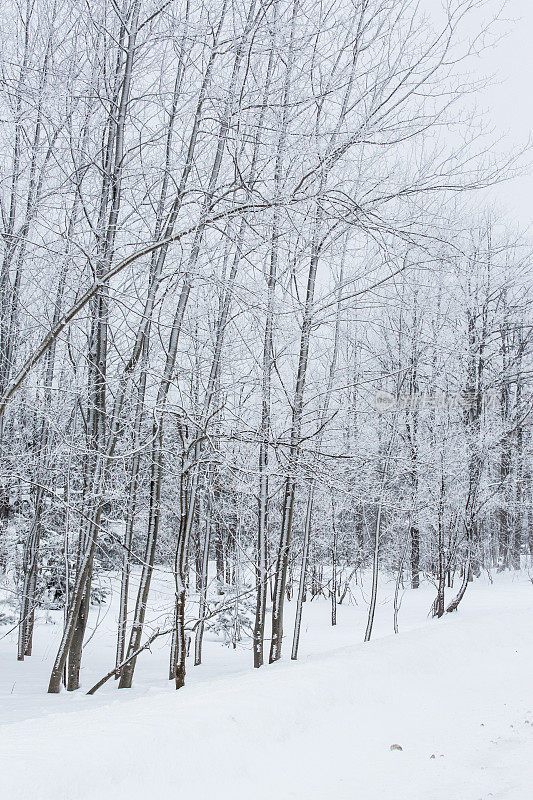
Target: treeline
column 248, row 315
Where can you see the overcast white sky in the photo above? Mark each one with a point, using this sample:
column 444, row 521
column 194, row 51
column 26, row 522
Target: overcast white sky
column 509, row 103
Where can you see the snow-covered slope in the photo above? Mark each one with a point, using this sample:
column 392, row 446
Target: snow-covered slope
column 454, row 695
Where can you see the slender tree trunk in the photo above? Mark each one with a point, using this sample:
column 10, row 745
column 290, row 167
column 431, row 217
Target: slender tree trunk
column 303, row 574
column 203, row 589
column 438, row 607
column 414, row 533
column 377, row 533
column 399, row 581
column 333, row 567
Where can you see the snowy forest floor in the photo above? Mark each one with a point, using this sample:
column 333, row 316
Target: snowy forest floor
column 455, row 694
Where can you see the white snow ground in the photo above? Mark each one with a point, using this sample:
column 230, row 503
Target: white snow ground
column 458, row 689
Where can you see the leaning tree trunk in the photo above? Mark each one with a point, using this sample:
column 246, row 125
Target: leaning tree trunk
column 185, row 526
column 98, row 448
column 156, row 452
column 142, row 351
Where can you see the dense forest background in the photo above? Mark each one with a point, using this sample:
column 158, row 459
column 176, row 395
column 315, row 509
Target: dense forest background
column 258, row 326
